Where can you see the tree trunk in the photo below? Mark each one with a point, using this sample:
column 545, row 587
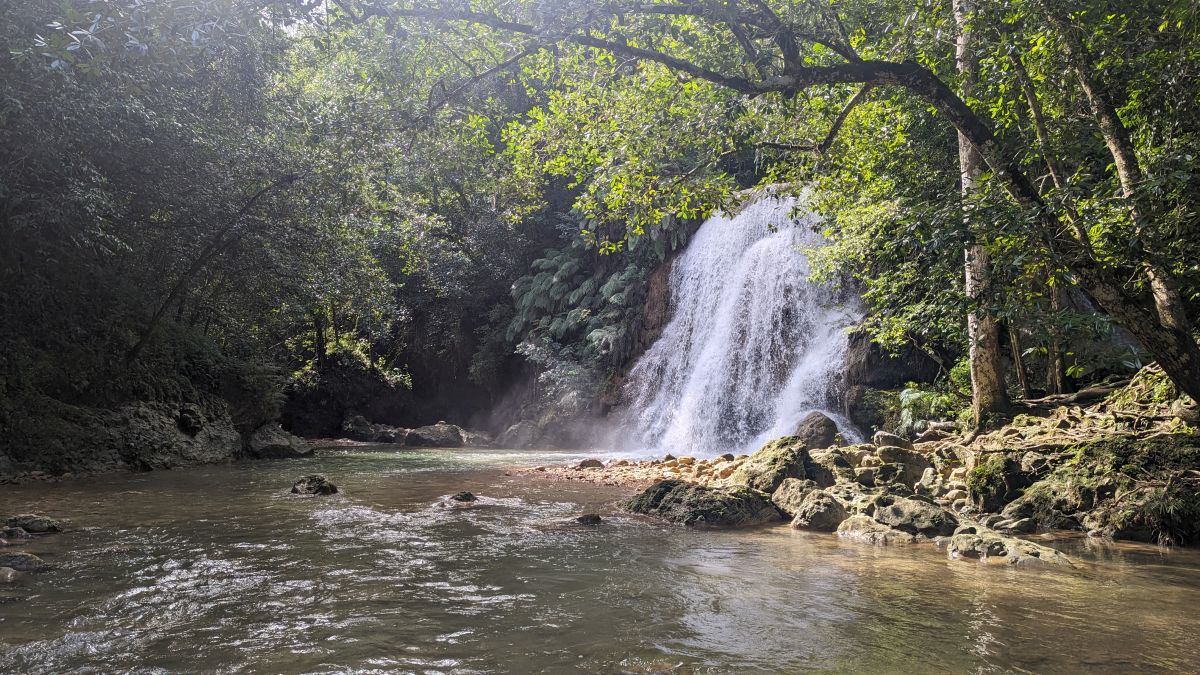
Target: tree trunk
column 988, row 392
column 319, row 345
column 1163, row 288
column 1014, row 341
column 1056, row 375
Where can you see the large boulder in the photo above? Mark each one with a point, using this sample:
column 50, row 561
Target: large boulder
column 35, row 524
column 440, row 435
column 916, row 517
column 818, row 432
column 767, row 468
column 681, row 502
column 791, row 493
column 270, row 441
column 868, row 364
column 358, row 428
column 20, row 561
column 820, row 511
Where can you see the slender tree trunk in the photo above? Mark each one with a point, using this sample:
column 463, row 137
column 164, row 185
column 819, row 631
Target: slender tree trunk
column 1056, row 371
column 988, row 392
column 319, row 343
column 1014, row 342
column 1163, row 287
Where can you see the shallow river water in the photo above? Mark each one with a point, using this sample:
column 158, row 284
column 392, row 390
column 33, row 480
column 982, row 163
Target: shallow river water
column 219, row 569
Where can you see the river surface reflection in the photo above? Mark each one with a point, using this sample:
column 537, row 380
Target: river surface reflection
column 221, row 569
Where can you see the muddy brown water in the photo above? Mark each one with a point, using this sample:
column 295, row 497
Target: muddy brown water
column 220, row 569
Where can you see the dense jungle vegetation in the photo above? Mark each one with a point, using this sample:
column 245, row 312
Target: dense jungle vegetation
column 246, row 197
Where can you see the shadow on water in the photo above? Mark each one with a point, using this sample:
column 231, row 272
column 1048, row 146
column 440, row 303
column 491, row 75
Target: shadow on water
column 221, row 569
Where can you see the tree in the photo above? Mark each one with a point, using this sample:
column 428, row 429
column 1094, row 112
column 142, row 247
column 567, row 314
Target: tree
column 989, row 394
column 764, row 52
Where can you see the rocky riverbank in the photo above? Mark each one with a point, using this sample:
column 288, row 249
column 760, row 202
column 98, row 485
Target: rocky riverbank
column 1126, row 466
column 58, row 441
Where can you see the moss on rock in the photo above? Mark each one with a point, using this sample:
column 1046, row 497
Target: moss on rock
column 768, row 467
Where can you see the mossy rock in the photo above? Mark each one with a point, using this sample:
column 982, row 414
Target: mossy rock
column 996, row 481
column 771, row 464
column 689, row 504
column 1128, row 488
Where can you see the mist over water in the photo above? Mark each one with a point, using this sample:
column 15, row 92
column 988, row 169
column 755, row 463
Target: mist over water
column 752, row 346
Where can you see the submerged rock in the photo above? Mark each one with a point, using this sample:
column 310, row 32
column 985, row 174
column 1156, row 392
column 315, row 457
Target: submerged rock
column 867, row 530
column 767, row 468
column 35, row 524
column 681, row 502
column 315, row 484
column 8, row 575
column 21, row 561
column 13, row 533
column 440, row 435
column 820, row 511
column 981, row 543
column 270, row 441
column 589, row 519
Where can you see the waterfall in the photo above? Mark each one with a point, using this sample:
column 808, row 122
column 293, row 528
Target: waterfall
column 752, row 345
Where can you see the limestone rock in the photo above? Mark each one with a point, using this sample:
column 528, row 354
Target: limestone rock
column 826, row 467
column 440, row 435
column 778, row 459
column 13, row 533
column 315, row 484
column 817, row 431
column 681, row 502
column 883, row 438
column 914, row 462
column 358, row 428
column 36, row 524
column 21, row 561
column 866, row 530
column 820, row 511
column 791, row 493
column 981, row 543
column 916, row 517
column 270, row 441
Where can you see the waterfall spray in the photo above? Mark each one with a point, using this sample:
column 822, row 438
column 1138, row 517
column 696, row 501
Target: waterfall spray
column 752, row 346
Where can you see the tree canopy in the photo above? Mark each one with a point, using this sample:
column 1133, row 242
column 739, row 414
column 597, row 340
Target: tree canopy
column 193, row 187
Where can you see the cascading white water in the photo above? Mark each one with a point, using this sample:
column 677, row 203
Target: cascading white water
column 752, row 346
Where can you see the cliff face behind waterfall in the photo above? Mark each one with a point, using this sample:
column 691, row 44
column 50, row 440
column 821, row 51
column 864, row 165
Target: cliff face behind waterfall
column 752, row 345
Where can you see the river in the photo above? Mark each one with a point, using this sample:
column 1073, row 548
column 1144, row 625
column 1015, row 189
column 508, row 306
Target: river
column 219, row 568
